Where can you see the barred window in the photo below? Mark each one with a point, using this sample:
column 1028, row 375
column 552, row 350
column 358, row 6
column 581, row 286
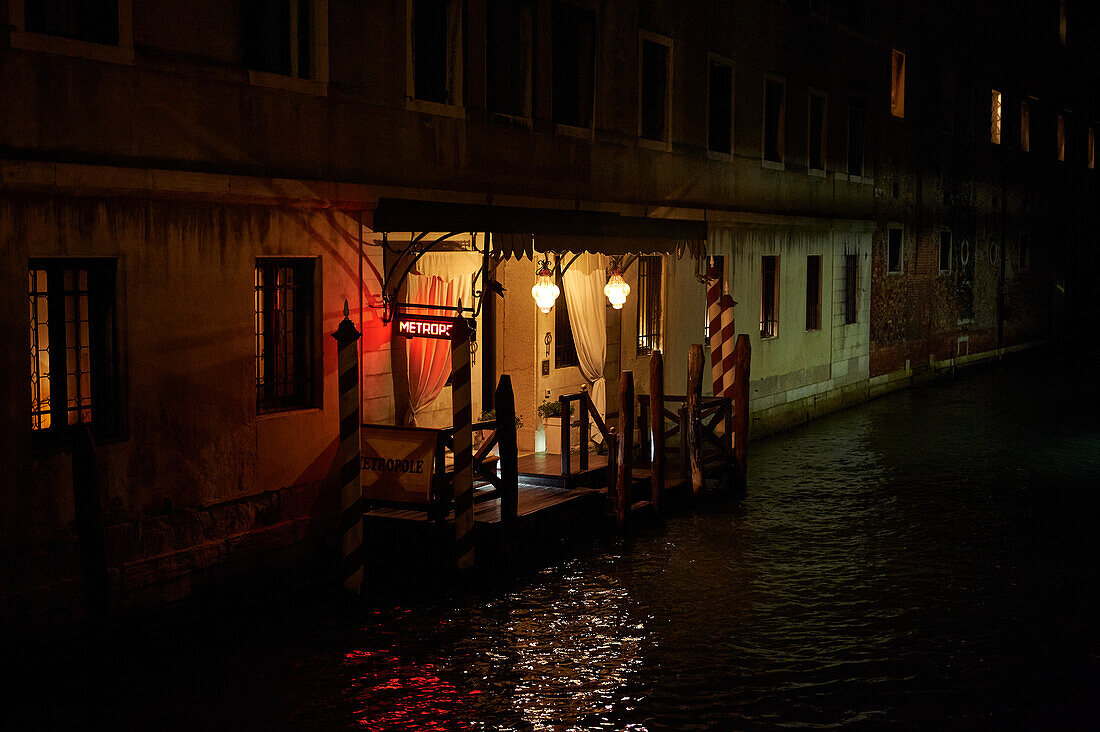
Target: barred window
column 995, row 118
column 813, row 292
column 285, row 343
column 74, row 360
column 649, row 304
column 769, row 297
column 851, row 288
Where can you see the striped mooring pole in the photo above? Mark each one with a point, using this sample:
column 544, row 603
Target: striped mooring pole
column 723, row 384
column 463, row 444
column 714, row 317
column 348, row 456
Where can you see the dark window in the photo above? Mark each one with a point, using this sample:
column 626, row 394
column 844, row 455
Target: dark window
column 511, row 41
column 718, row 264
column 813, row 292
column 774, row 103
column 853, row 13
column 285, row 344
column 1025, row 251
column 855, row 139
column 893, row 254
column 565, row 348
column 649, row 304
column 769, row 297
column 73, row 345
column 945, row 251
column 654, row 103
column 84, row 20
column 278, row 36
column 818, row 6
column 817, row 132
column 574, row 64
column 851, row 288
column 435, row 49
column 720, row 112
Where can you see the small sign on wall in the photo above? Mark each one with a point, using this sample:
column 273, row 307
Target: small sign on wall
column 545, row 367
column 397, row 463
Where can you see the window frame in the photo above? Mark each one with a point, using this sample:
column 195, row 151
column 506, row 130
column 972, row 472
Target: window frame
column 455, row 108
column 316, row 82
column 780, row 138
column 813, row 305
column 120, row 53
column 851, row 288
column 645, row 299
column 644, row 37
column 897, row 88
column 901, row 249
column 561, row 314
column 106, row 401
column 525, row 115
column 950, row 252
column 581, row 130
column 765, row 334
column 314, row 358
column 996, row 117
column 714, row 59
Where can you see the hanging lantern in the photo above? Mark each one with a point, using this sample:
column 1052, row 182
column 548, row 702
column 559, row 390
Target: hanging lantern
column 616, row 288
column 545, row 291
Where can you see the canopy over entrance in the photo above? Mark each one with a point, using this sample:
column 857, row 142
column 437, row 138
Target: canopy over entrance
column 517, row 231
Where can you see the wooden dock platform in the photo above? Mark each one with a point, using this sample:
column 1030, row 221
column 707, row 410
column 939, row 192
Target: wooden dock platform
column 544, row 469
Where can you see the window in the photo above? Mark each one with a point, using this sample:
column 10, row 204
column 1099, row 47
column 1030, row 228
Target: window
column 945, row 252
column 995, row 118
column 897, row 84
column 851, row 288
column 855, row 138
column 574, row 64
column 1060, row 140
column 853, row 13
column 85, row 20
column 649, row 304
column 511, row 39
column 1091, row 152
column 285, row 335
column 769, row 297
column 655, row 89
column 73, row 345
column 893, row 253
column 278, row 36
column 1025, row 126
column 435, row 36
column 774, row 111
column 718, row 265
column 816, row 148
column 565, row 348
column 818, row 6
column 813, row 292
column 1024, row 260
column 720, row 107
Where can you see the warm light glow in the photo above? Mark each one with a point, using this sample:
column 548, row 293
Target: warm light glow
column 995, row 119
column 545, row 291
column 616, row 289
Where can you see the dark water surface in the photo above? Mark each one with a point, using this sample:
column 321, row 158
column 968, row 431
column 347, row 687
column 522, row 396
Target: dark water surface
column 927, row 560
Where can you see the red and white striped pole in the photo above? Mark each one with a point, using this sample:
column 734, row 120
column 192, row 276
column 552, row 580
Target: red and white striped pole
column 463, row 444
column 723, row 385
column 348, row 456
column 714, row 317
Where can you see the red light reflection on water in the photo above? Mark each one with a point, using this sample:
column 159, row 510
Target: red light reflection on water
column 398, row 694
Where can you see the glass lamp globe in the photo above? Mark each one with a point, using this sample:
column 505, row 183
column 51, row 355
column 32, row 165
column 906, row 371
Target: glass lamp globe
column 616, row 289
column 545, row 291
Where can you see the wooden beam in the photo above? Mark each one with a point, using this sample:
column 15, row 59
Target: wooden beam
column 694, row 398
column 657, row 428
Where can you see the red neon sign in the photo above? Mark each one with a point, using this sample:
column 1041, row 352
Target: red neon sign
column 422, row 327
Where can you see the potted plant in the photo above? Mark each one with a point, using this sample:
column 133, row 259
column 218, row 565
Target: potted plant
column 550, row 412
column 481, row 435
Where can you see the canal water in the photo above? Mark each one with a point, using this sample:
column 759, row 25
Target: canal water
column 923, row 561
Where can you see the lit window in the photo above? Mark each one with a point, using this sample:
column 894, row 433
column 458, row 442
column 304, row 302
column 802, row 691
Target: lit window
column 656, row 82
column 574, row 64
column 278, row 37
column 1025, row 126
column 851, row 288
column 945, row 252
column 897, row 84
column 720, row 108
column 285, row 340
column 91, row 20
column 74, row 362
column 893, row 253
column 995, row 119
column 649, row 304
column 436, row 51
column 769, row 297
column 817, row 132
column 813, row 292
column 1061, row 138
column 774, row 113
column 511, row 39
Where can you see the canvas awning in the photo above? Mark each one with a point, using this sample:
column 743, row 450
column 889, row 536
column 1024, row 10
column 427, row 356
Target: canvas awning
column 517, row 231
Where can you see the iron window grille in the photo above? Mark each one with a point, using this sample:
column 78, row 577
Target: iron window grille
column 851, row 288
column 813, row 292
column 649, row 305
column 285, row 347
column 769, row 297
column 73, row 345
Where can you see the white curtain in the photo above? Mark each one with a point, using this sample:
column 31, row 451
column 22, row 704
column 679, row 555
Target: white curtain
column 584, row 282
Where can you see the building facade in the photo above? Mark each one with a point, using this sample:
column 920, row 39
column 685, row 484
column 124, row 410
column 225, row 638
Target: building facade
column 190, row 192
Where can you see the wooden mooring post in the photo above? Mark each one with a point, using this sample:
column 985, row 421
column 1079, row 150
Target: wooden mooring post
column 742, row 356
column 349, row 455
column 505, row 401
column 624, row 473
column 694, row 398
column 657, row 429
column 462, row 412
